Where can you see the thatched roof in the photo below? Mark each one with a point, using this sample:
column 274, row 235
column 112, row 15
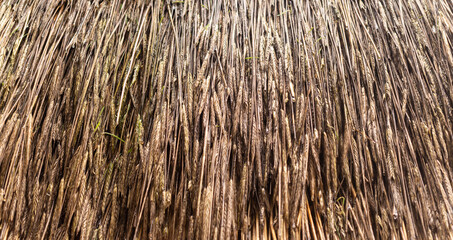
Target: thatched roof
column 323, row 119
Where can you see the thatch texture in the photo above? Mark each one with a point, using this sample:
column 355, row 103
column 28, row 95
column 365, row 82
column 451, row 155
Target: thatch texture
column 323, row 119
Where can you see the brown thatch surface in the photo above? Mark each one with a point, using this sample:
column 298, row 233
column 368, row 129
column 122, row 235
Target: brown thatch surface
column 323, row 119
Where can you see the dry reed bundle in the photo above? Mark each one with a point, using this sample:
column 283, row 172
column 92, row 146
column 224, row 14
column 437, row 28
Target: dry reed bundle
column 226, row 119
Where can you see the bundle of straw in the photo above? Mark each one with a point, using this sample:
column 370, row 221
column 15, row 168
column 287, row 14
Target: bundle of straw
column 279, row 119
